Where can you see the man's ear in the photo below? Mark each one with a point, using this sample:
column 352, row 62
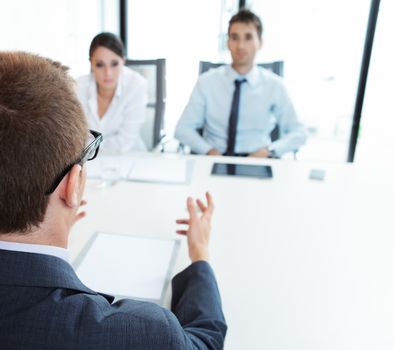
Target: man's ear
column 73, row 186
column 261, row 43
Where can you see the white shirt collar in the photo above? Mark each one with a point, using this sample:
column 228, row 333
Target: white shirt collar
column 252, row 76
column 92, row 93
column 36, row 248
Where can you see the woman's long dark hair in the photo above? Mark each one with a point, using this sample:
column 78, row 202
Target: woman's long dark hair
column 109, row 41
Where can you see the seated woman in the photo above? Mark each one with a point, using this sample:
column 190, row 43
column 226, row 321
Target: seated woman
column 113, row 96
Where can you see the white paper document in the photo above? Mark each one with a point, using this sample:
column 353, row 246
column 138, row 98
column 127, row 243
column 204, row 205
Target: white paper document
column 164, row 170
column 120, row 165
column 127, row 266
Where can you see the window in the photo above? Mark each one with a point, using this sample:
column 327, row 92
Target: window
column 321, row 44
column 376, row 142
column 182, row 32
column 61, row 30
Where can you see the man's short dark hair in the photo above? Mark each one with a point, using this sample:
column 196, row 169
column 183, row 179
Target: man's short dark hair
column 247, row 16
column 42, row 130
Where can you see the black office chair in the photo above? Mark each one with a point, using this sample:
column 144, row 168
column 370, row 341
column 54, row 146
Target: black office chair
column 152, row 131
column 275, row 66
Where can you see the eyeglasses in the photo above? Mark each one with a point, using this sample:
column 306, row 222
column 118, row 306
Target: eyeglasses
column 89, row 153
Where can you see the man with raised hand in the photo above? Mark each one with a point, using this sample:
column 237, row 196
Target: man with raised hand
column 44, row 144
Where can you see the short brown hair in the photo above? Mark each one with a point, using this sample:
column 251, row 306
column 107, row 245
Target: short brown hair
column 247, row 16
column 42, row 130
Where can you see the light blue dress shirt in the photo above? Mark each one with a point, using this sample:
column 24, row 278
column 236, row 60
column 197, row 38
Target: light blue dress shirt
column 264, row 102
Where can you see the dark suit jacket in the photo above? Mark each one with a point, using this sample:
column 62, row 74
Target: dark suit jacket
column 43, row 305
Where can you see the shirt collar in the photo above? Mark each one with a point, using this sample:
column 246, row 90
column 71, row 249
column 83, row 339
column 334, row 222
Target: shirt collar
column 252, row 76
column 36, row 248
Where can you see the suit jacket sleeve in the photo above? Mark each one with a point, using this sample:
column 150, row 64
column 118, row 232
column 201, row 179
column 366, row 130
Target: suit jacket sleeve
column 196, row 304
column 45, row 306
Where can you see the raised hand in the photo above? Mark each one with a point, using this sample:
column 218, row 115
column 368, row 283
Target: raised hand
column 199, row 228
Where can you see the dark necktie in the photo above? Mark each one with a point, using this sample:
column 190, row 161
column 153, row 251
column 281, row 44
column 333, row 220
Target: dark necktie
column 232, row 125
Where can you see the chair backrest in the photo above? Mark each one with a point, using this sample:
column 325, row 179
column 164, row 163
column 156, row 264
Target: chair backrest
column 275, row 66
column 155, row 72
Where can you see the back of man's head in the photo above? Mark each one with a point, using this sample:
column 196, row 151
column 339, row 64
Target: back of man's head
column 42, row 130
column 247, row 16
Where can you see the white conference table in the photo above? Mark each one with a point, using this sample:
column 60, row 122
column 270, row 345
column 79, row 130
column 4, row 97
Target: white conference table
column 301, row 264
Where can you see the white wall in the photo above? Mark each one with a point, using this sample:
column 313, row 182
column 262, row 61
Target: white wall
column 321, row 43
column 61, row 29
column 182, row 32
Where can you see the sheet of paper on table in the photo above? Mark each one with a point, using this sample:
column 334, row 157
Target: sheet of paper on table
column 120, row 164
column 163, row 170
column 127, row 266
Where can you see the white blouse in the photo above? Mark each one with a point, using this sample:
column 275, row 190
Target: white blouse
column 125, row 115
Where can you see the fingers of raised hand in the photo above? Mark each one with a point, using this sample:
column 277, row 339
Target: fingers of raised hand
column 208, row 196
column 201, row 205
column 209, row 208
column 191, row 208
column 209, row 205
column 183, row 221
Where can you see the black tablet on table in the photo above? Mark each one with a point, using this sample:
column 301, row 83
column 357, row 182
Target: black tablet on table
column 248, row 170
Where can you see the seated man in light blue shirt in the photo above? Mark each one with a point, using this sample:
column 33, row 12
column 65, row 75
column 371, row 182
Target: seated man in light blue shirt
column 237, row 106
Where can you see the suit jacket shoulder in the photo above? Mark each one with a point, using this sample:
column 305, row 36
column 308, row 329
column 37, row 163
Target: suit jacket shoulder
column 45, row 306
